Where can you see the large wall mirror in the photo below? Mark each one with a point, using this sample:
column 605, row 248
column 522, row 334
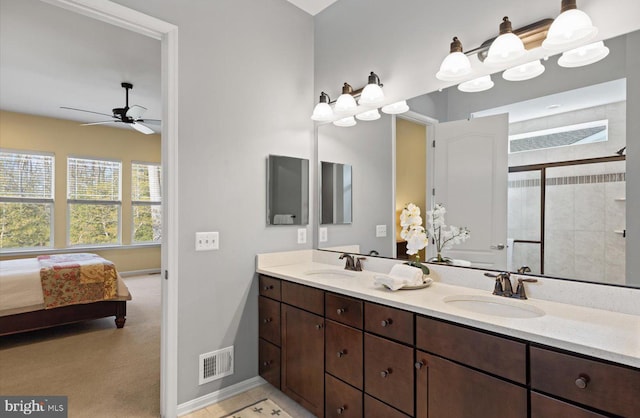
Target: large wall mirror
column 544, row 180
column 335, row 193
column 287, row 190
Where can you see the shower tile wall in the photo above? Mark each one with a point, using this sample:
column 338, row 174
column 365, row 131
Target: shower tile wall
column 585, row 210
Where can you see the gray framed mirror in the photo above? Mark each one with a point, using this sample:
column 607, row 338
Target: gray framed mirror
column 287, row 190
column 336, row 184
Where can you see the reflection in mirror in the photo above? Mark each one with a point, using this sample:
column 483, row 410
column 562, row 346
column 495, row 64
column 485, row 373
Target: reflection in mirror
column 287, row 190
column 335, row 193
column 566, row 187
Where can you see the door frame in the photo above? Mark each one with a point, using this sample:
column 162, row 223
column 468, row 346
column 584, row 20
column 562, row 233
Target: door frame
column 167, row 34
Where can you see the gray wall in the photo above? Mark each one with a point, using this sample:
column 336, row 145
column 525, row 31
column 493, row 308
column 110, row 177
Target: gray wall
column 633, row 160
column 245, row 91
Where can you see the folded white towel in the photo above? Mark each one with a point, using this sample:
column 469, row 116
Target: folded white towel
column 461, row 263
column 401, row 275
column 283, row 219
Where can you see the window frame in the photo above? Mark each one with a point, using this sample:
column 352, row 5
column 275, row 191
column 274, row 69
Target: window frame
column 135, row 203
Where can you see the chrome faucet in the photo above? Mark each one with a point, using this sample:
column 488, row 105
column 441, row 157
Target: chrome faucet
column 351, row 263
column 503, row 285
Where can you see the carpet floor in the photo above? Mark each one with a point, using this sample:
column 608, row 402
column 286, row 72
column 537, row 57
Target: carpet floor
column 104, row 371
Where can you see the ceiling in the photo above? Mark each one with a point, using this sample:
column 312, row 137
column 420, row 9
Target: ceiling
column 313, row 7
column 44, row 64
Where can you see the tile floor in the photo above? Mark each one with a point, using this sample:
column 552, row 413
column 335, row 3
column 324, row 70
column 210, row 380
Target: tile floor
column 237, row 402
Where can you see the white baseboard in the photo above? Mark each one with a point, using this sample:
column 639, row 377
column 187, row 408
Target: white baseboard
column 219, row 395
column 139, row 272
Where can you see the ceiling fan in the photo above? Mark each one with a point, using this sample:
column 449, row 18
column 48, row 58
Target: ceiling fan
column 131, row 116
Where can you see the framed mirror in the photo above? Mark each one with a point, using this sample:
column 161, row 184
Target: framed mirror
column 287, row 190
column 589, row 196
column 335, row 193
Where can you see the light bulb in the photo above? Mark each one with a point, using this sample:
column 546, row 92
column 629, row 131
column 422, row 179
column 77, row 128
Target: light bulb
column 506, row 48
column 345, row 122
column 524, row 72
column 456, row 65
column 369, row 115
column 396, row 108
column 476, row 85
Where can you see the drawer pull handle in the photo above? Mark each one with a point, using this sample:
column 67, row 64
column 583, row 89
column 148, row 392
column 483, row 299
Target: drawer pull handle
column 318, row 326
column 340, row 311
column 419, row 364
column 386, row 322
column 582, row 381
column 341, row 410
column 267, row 363
column 268, row 287
column 342, row 353
column 385, row 373
column 267, row 320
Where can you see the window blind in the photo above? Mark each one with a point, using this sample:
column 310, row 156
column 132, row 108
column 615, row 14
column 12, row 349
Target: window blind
column 146, row 182
column 26, row 176
column 89, row 179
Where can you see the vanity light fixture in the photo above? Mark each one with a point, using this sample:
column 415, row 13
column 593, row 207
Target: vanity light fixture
column 345, row 122
column 456, row 65
column 372, row 93
column 323, row 112
column 346, row 103
column 524, row 72
column 396, row 108
column 372, row 114
column 571, row 28
column 506, row 48
column 583, row 55
column 476, row 85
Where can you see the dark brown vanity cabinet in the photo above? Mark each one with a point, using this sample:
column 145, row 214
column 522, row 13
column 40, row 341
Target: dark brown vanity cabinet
column 269, row 330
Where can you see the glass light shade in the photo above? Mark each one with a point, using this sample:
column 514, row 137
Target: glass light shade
column 372, row 94
column 570, row 28
column 524, row 72
column 584, row 55
column 345, row 104
column 369, row 115
column 454, row 67
column 396, row 108
column 322, row 112
column 345, row 122
column 504, row 49
column 476, row 85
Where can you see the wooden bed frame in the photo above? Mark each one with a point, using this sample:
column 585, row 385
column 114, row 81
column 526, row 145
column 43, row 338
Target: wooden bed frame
column 45, row 318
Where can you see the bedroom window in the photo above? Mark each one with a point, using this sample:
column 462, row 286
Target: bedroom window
column 146, row 201
column 26, row 199
column 94, row 200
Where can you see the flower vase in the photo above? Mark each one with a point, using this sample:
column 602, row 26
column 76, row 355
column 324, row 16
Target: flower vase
column 417, row 263
column 440, row 259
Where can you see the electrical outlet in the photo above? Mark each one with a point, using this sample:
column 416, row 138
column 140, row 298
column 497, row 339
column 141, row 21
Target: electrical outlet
column 302, row 236
column 381, row 231
column 207, row 241
column 323, row 234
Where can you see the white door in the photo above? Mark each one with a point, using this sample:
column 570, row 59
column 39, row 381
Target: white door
column 470, row 180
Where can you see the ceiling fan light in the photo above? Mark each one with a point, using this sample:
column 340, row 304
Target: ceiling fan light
column 524, row 72
column 570, row 28
column 372, row 93
column 476, row 85
column 345, row 103
column 456, row 65
column 506, row 48
column 584, row 55
column 345, row 122
column 372, row 114
column 396, row 108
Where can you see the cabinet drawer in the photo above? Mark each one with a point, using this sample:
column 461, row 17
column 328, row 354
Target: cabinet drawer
column 388, row 372
column 269, row 362
column 343, row 353
column 269, row 287
column 269, row 319
column 344, row 309
column 341, row 400
column 544, row 407
column 603, row 386
column 373, row 408
column 303, row 297
column 496, row 355
column 389, row 322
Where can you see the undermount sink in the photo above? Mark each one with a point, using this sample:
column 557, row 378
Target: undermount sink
column 329, row 274
column 494, row 305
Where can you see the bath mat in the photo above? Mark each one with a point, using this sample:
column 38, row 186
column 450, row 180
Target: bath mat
column 260, row 409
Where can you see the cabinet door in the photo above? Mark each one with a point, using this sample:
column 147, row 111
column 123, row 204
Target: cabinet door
column 543, row 407
column 446, row 389
column 269, row 362
column 303, row 358
column 269, row 320
column 343, row 353
column 342, row 400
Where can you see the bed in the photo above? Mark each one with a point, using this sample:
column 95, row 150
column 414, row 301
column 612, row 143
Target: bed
column 60, row 289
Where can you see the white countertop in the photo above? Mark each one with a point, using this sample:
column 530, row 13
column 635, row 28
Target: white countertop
column 599, row 333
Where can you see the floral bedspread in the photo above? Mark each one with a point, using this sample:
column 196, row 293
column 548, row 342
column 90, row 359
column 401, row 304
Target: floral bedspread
column 69, row 279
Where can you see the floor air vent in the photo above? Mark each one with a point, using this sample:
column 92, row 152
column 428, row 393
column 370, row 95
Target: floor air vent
column 216, row 364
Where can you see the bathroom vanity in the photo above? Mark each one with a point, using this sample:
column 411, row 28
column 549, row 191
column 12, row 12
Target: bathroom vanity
column 341, row 346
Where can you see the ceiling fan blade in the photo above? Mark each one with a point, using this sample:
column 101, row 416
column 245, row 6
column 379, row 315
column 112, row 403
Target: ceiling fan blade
column 150, row 121
column 135, row 112
column 86, row 111
column 141, row 128
column 100, row 123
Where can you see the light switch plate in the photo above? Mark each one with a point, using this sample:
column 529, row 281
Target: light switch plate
column 323, row 234
column 381, row 231
column 207, row 241
column 302, row 236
